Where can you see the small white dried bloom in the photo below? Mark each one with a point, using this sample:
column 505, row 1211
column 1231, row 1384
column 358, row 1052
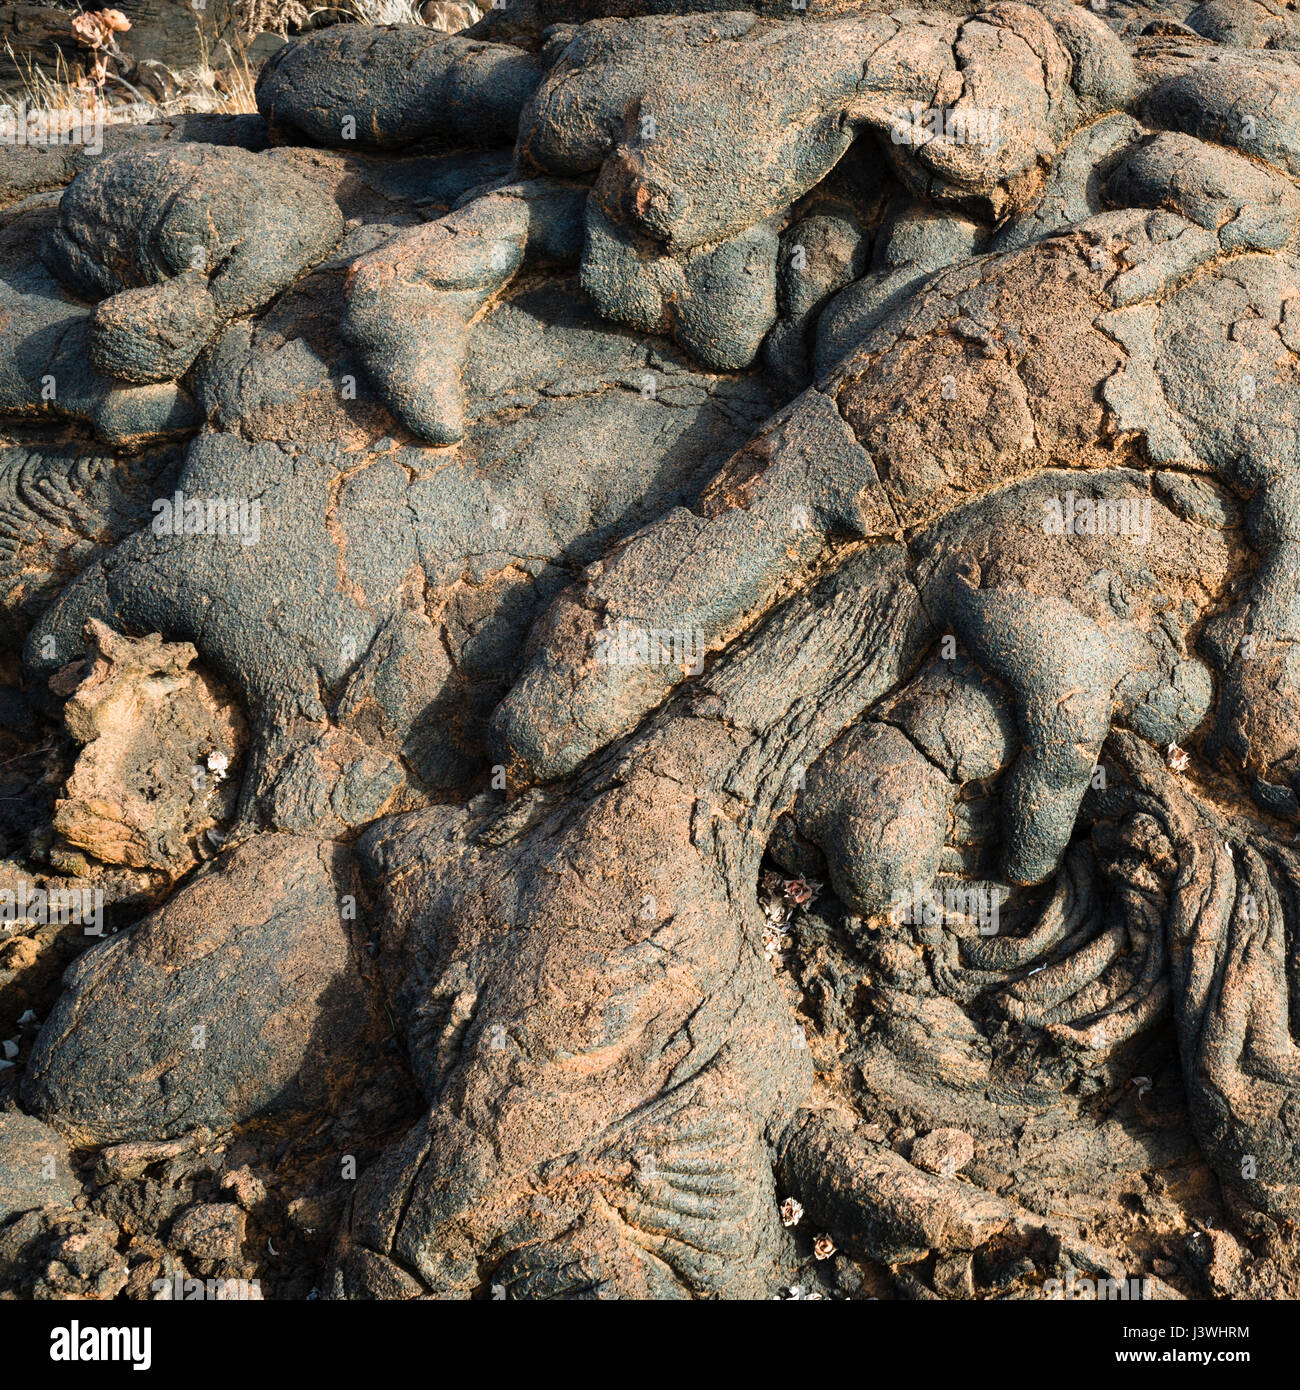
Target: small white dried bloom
column 1176, row 759
column 823, row 1247
column 775, row 944
column 217, row 764
column 791, row 1212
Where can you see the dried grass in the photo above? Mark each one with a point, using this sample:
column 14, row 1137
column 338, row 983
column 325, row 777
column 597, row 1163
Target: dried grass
column 229, row 87
column 448, row 15
column 197, row 89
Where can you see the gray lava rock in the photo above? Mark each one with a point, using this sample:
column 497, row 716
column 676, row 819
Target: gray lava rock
column 34, row 1167
column 244, row 996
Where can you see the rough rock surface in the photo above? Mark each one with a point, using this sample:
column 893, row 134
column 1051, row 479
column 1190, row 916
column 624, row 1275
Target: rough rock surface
column 231, row 1012
column 741, row 567
column 162, row 754
column 35, row 1167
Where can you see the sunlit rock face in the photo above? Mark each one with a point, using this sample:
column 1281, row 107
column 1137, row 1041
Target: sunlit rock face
column 670, row 638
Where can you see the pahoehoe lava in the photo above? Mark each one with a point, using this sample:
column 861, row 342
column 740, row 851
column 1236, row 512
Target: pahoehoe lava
column 653, row 652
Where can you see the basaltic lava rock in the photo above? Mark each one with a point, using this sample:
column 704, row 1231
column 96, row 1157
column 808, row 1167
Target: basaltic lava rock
column 731, row 576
